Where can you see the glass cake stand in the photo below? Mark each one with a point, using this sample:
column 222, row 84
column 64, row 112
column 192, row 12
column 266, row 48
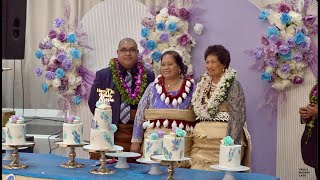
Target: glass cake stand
column 71, row 163
column 155, row 166
column 160, row 158
column 15, row 164
column 122, row 158
column 103, row 169
column 229, row 172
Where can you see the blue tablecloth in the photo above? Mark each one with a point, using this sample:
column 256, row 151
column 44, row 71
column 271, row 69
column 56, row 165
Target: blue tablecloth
column 48, row 166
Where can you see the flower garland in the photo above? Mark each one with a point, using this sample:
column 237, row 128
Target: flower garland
column 183, row 92
column 124, row 90
column 168, row 27
column 313, row 96
column 218, row 96
column 286, row 50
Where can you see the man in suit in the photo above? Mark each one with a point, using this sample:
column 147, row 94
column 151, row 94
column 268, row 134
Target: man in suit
column 123, row 71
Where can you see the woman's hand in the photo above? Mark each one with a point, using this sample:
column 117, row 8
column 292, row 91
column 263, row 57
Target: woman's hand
column 135, row 147
column 312, row 109
column 304, row 113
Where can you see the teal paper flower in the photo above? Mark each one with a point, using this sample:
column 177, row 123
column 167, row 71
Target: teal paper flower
column 180, row 132
column 228, row 141
column 113, row 128
column 154, row 136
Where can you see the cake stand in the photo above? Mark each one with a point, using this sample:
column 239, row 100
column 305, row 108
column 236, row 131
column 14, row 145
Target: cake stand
column 102, row 169
column 229, row 172
column 122, row 158
column 9, row 151
column 15, row 164
column 155, row 166
column 71, row 163
column 160, row 158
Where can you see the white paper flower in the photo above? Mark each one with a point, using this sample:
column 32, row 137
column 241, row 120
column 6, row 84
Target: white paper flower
column 198, row 28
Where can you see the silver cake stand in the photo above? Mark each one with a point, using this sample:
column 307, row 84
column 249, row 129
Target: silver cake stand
column 15, row 164
column 229, row 172
column 71, row 163
column 155, row 166
column 103, row 169
column 160, row 158
column 122, row 158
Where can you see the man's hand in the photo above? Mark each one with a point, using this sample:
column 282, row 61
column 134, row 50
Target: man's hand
column 312, row 110
column 135, row 147
column 304, row 113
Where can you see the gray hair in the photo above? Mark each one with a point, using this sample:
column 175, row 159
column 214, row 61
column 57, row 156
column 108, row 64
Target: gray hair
column 127, row 40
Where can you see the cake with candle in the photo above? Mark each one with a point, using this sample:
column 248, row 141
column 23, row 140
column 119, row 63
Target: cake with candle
column 15, row 131
column 174, row 144
column 230, row 154
column 73, row 131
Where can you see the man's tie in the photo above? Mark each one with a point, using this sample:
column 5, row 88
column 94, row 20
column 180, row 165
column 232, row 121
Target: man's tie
column 125, row 108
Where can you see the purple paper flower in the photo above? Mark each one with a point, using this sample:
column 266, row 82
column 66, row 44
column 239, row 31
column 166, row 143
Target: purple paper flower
column 61, row 56
column 173, row 11
column 271, row 50
column 143, row 43
column 64, row 81
column 308, row 20
column 71, row 118
column 164, row 37
column 52, row 34
column 283, row 49
column 66, row 64
column 62, row 37
column 58, row 22
column 308, row 56
column 47, row 45
column 272, row 62
column 273, row 39
column 297, row 80
column 41, row 46
column 63, row 88
column 155, row 10
column 304, row 46
column 184, row 39
column 264, row 40
column 148, row 22
column 161, row 133
column 14, row 118
column 284, row 8
column 38, row 71
column 297, row 57
column 50, row 75
column 290, row 43
column 184, row 13
column 257, row 54
column 285, row 68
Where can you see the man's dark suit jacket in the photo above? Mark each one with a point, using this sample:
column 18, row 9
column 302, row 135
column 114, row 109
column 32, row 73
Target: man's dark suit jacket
column 104, row 80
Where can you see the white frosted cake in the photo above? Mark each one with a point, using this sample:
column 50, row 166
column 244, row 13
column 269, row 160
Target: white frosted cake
column 16, row 131
column 152, row 146
column 102, row 131
column 174, row 145
column 73, row 131
column 230, row 154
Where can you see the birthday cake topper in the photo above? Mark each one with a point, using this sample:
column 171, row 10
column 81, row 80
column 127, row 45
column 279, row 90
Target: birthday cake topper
column 105, row 95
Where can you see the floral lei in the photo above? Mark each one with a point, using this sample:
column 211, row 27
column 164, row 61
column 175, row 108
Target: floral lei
column 218, row 96
column 313, row 96
column 123, row 88
column 185, row 88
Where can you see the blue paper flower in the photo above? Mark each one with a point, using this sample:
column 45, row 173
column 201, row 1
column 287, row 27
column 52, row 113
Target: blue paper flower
column 265, row 76
column 299, row 38
column 273, row 30
column 76, row 99
column 161, row 26
column 98, row 103
column 75, row 53
column 60, row 73
column 145, row 32
column 263, row 15
column 172, row 27
column 285, row 57
column 113, row 128
column 39, row 54
column 45, row 87
column 151, row 45
column 156, row 56
column 154, row 136
column 285, row 18
column 72, row 38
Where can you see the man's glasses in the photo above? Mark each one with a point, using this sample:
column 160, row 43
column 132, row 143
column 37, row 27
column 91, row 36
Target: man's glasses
column 131, row 51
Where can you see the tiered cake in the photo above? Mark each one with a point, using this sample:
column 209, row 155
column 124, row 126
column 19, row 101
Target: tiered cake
column 152, row 145
column 174, row 145
column 102, row 131
column 230, row 154
column 16, row 131
column 73, row 131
